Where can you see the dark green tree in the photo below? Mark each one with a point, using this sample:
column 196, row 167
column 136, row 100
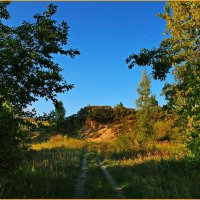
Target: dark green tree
column 28, row 71
column 57, row 116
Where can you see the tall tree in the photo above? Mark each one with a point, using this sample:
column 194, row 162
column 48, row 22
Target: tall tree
column 181, row 51
column 145, row 100
column 27, row 72
column 146, row 104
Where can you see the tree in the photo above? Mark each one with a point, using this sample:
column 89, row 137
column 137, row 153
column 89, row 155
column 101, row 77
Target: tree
column 119, row 111
column 28, row 71
column 57, row 116
column 27, row 68
column 180, row 50
column 146, row 105
column 145, row 100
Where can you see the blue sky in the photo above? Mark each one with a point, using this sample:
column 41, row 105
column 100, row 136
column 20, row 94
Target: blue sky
column 105, row 33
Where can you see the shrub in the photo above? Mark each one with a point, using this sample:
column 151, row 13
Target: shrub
column 12, row 137
column 163, row 130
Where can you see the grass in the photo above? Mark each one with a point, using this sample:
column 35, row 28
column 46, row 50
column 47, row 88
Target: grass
column 156, row 179
column 158, row 171
column 59, row 141
column 49, row 171
column 96, row 184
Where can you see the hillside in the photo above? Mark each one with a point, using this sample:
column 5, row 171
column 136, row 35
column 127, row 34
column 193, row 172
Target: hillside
column 99, row 123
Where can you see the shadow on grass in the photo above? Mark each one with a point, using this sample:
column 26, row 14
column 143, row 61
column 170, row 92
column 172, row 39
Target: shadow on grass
column 39, row 136
column 49, row 173
column 97, row 186
column 158, row 179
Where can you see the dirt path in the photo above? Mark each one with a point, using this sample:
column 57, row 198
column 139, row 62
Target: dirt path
column 80, row 184
column 118, row 190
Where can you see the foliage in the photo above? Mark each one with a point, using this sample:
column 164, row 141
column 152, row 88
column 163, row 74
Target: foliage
column 145, row 100
column 73, row 125
column 12, row 136
column 147, row 105
column 181, row 51
column 57, row 117
column 26, row 54
column 121, row 113
column 163, row 130
column 99, row 113
column 27, row 72
column 194, row 144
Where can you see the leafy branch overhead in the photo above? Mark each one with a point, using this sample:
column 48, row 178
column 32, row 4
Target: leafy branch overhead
column 28, row 70
column 183, row 44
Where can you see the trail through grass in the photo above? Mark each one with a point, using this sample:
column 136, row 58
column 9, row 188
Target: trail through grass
column 96, row 185
column 80, row 184
column 51, row 170
column 118, row 190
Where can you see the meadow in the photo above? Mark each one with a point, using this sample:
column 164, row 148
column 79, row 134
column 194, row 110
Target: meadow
column 154, row 171
column 147, row 150
column 52, row 167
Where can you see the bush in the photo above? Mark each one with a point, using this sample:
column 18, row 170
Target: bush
column 194, row 144
column 12, row 137
column 163, row 130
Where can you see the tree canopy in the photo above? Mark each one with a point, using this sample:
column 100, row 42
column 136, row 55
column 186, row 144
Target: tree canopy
column 27, row 68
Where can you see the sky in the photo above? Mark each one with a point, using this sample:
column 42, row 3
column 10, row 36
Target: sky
column 105, row 33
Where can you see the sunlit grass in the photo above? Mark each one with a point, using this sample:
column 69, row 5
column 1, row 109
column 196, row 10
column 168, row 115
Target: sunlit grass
column 59, row 141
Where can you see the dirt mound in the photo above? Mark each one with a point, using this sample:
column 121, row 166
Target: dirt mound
column 100, row 123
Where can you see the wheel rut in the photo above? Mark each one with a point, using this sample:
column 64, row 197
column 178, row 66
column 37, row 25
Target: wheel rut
column 80, row 183
column 118, row 190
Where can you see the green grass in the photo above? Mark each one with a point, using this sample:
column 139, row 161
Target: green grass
column 156, row 179
column 158, row 172
column 51, row 168
column 96, row 184
column 49, row 173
